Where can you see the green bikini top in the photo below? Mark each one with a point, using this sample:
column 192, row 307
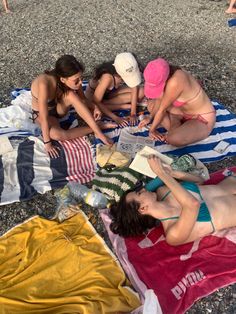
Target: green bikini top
column 204, row 214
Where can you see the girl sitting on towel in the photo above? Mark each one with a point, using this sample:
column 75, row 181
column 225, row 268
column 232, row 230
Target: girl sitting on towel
column 178, row 103
column 187, row 210
column 106, row 88
column 53, row 93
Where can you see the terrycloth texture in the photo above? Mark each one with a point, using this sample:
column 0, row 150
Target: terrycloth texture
column 225, row 129
column 113, row 184
column 47, row 267
column 27, row 169
column 178, row 275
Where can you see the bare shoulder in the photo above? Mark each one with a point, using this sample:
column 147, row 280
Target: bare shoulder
column 72, row 96
column 43, row 80
column 106, row 79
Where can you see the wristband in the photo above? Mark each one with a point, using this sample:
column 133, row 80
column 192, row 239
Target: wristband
column 50, row 141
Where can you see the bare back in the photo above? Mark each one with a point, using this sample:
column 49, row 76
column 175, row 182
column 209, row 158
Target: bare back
column 43, row 86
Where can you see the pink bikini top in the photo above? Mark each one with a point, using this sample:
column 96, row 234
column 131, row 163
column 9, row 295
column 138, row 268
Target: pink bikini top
column 178, row 103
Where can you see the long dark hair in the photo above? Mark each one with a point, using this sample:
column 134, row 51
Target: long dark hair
column 104, row 68
column 127, row 220
column 173, row 69
column 66, row 66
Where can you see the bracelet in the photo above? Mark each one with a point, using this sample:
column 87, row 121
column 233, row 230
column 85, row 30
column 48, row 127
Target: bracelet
column 50, row 141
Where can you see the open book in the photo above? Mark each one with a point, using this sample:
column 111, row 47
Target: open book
column 140, row 162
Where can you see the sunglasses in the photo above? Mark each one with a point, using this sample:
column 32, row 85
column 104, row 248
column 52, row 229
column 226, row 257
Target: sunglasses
column 139, row 186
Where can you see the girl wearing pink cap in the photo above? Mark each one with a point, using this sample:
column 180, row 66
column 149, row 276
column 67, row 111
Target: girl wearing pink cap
column 178, row 103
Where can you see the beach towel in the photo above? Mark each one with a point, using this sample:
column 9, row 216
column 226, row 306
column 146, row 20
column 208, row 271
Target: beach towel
column 178, row 275
column 48, row 267
column 27, row 169
column 131, row 139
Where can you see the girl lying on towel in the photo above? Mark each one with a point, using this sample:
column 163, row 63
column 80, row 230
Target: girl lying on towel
column 186, row 210
column 179, row 104
column 53, row 93
column 106, row 88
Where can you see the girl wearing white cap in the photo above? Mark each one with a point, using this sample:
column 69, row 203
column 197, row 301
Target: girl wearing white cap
column 179, row 104
column 106, row 88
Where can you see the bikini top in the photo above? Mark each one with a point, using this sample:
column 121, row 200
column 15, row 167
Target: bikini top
column 203, row 214
column 177, row 103
column 51, row 103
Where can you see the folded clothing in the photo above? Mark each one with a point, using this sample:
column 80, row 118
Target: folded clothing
column 113, row 184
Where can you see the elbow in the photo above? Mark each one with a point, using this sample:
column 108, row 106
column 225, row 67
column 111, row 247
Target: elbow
column 175, row 240
column 195, row 205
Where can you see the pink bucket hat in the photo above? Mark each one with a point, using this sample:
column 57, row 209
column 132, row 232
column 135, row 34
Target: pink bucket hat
column 155, row 74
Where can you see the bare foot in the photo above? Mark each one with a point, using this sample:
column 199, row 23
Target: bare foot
column 8, row 11
column 229, row 11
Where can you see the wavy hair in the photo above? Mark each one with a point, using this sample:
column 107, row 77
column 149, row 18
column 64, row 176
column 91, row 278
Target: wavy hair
column 104, row 68
column 66, row 66
column 127, row 220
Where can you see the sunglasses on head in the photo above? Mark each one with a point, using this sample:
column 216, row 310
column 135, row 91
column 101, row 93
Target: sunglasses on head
column 139, row 186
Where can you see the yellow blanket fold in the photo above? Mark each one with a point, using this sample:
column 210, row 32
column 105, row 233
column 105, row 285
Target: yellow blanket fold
column 47, row 267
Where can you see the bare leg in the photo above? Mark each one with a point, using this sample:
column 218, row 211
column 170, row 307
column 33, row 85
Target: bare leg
column 59, row 134
column 231, row 8
column 5, row 4
column 169, row 121
column 187, row 133
column 118, row 99
column 121, row 99
column 117, row 107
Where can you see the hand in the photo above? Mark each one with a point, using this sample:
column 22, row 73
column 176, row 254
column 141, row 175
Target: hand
column 133, row 120
column 122, row 122
column 158, row 167
column 106, row 140
column 156, row 136
column 97, row 114
column 52, row 151
column 144, row 122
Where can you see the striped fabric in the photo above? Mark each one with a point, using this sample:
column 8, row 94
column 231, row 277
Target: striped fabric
column 79, row 160
column 115, row 183
column 27, row 170
column 225, row 129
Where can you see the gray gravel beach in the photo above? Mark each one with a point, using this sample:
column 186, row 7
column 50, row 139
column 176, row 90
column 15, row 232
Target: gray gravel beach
column 191, row 34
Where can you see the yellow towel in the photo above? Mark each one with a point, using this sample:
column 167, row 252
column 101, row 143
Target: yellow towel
column 47, row 267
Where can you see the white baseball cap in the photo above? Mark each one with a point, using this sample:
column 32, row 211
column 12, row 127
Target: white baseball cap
column 127, row 67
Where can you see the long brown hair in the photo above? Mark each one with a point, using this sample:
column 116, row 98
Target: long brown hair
column 66, row 66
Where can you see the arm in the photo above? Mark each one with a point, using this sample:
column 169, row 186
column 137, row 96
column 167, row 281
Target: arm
column 43, row 117
column 171, row 93
column 134, row 99
column 105, row 81
column 85, row 114
column 179, row 232
column 92, row 107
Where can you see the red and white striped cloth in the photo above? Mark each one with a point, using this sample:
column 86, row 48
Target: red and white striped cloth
column 79, row 158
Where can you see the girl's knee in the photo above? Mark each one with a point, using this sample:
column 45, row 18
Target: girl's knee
column 176, row 140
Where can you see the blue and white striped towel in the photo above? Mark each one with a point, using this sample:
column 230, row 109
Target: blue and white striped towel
column 224, row 130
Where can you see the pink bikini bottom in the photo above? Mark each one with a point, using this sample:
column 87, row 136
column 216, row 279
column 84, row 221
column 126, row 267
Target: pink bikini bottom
column 199, row 117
